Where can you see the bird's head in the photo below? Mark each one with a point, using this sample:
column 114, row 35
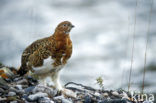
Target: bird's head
column 64, row 27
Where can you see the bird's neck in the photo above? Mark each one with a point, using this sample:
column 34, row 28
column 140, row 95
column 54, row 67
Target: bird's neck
column 60, row 36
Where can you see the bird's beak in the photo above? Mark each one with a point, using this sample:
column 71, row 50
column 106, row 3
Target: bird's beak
column 72, row 26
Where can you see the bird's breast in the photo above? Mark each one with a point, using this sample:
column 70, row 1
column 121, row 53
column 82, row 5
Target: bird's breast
column 46, row 67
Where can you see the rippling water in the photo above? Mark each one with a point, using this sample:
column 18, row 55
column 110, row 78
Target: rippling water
column 102, row 38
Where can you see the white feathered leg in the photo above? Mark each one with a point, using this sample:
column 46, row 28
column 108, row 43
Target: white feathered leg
column 55, row 76
column 56, row 80
column 42, row 81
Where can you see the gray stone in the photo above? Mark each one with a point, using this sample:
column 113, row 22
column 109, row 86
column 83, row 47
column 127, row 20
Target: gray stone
column 3, row 83
column 45, row 100
column 13, row 102
column 11, row 94
column 2, row 90
column 62, row 99
column 20, row 91
column 29, row 89
column 50, row 91
column 12, row 89
column 2, row 99
column 36, row 96
column 66, row 101
column 87, row 99
column 113, row 101
column 19, row 87
column 22, row 82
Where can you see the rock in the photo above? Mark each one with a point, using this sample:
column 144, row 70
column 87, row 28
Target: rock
column 22, row 82
column 20, row 92
column 58, row 97
column 115, row 93
column 105, row 94
column 13, row 98
column 11, row 94
column 2, row 99
column 12, row 89
column 25, row 97
column 17, row 79
column 124, row 96
column 97, row 94
column 31, row 80
column 19, row 87
column 69, row 93
column 29, row 89
column 50, row 91
column 114, row 101
column 36, row 96
column 87, row 99
column 3, row 83
column 66, row 101
column 25, row 86
column 4, row 87
column 17, row 91
column 13, row 102
column 45, row 100
column 7, row 71
column 61, row 99
column 2, row 90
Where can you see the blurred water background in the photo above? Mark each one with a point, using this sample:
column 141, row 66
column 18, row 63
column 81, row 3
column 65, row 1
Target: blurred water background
column 102, row 38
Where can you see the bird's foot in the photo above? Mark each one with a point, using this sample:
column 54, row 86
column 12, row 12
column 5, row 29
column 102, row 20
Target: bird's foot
column 68, row 93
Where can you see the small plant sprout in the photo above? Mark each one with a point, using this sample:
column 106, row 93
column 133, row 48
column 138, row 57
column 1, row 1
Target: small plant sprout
column 99, row 81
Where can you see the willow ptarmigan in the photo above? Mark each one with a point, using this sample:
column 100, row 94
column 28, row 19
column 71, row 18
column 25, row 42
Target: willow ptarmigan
column 46, row 57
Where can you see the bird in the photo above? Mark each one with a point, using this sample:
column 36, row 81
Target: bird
column 47, row 56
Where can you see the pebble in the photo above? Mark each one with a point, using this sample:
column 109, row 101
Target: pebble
column 50, row 91
column 58, row 97
column 45, row 100
column 69, row 93
column 11, row 94
column 29, row 89
column 124, row 96
column 66, row 101
column 20, row 91
column 2, row 90
column 36, row 96
column 22, row 82
column 13, row 102
column 18, row 79
column 31, row 80
column 3, row 83
column 19, row 87
column 87, row 99
column 115, row 93
column 2, row 99
column 105, row 94
column 113, row 101
column 97, row 94
column 12, row 89
column 62, row 99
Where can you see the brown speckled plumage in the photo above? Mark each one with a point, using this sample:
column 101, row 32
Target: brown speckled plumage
column 58, row 47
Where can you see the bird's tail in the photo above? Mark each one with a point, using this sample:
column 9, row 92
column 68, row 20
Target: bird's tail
column 22, row 70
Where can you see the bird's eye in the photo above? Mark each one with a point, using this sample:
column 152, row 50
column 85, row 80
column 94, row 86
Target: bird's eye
column 64, row 25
